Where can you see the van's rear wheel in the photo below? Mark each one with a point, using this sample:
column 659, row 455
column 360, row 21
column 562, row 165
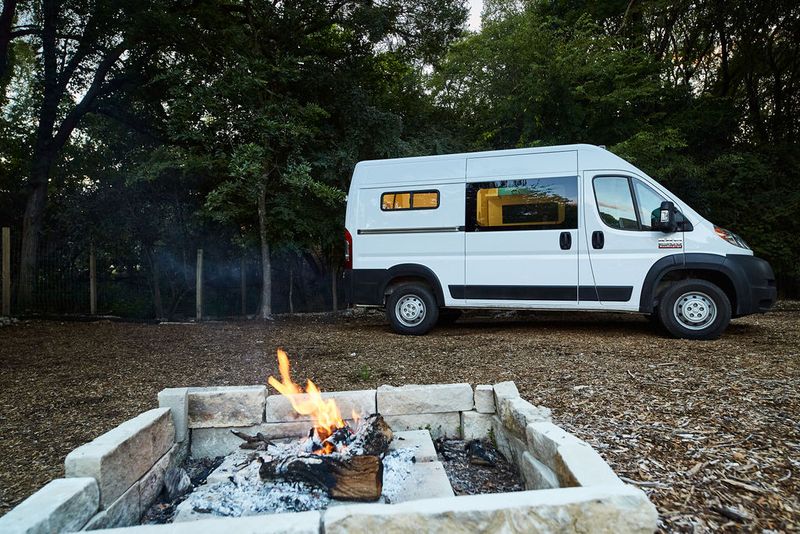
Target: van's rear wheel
column 412, row 310
column 695, row 309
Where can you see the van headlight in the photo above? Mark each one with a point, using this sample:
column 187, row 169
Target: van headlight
column 731, row 238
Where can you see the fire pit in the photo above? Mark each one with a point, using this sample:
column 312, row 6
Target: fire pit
column 294, row 456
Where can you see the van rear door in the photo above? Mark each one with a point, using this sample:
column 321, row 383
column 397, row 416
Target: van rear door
column 521, row 231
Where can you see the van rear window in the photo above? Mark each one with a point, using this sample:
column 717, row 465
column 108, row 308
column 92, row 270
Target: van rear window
column 410, row 200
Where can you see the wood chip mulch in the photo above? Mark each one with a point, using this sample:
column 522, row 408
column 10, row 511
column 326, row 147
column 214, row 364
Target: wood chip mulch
column 709, row 430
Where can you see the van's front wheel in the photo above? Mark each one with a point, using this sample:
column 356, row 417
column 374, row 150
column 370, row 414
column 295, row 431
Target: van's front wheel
column 412, row 310
column 695, row 309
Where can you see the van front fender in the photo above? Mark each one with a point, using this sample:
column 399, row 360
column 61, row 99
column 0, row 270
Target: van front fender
column 751, row 278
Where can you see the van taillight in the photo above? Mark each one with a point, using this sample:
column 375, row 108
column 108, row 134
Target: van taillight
column 348, row 250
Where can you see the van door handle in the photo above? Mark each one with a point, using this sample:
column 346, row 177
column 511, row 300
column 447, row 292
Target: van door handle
column 598, row 239
column 565, row 240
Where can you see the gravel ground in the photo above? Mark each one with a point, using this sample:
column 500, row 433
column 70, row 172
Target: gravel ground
column 710, row 430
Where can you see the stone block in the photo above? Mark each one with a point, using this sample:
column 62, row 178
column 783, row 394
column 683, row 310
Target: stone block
column 427, row 480
column 226, row 406
column 151, row 484
column 517, row 413
column 416, row 399
column 504, row 390
column 177, row 400
column 617, row 509
column 123, row 512
column 279, row 407
column 484, row 398
column 62, row 505
column 213, row 442
column 420, row 440
column 500, row 438
column 295, row 523
column 120, row 457
column 438, row 424
column 536, row 475
column 580, row 465
column 475, row 425
column 179, row 454
column 544, row 438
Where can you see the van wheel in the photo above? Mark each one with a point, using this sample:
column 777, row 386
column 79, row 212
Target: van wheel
column 412, row 310
column 448, row 316
column 695, row 309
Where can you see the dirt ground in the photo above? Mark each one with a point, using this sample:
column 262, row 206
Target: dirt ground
column 710, row 430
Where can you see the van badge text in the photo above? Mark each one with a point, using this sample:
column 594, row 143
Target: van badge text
column 670, row 243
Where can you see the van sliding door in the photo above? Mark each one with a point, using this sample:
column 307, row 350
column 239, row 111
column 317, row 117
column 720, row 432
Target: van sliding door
column 522, row 239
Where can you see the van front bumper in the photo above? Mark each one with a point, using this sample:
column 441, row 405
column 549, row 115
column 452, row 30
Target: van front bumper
column 761, row 292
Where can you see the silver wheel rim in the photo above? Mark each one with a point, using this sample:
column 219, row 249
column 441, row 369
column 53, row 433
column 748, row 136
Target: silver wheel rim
column 695, row 310
column 410, row 310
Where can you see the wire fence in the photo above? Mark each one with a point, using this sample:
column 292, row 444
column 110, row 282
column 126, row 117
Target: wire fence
column 162, row 282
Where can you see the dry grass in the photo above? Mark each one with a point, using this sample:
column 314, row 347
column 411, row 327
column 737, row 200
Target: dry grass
column 700, row 425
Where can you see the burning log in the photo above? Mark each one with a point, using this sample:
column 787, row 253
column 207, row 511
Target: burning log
column 357, row 478
column 347, row 465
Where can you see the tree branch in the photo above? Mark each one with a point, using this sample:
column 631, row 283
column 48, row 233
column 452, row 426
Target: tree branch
column 6, row 23
column 95, row 89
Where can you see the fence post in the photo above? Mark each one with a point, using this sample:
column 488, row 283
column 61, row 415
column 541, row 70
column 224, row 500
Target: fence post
column 92, row 281
column 243, row 272
column 6, row 270
column 199, row 285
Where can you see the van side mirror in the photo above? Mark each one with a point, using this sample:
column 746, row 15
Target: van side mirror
column 666, row 218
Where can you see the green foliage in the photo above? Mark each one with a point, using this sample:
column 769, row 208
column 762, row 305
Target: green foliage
column 675, row 91
column 364, row 373
column 219, row 106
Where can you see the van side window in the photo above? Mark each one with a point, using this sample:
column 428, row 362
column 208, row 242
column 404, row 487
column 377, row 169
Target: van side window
column 649, row 203
column 626, row 203
column 410, row 200
column 615, row 202
column 524, row 204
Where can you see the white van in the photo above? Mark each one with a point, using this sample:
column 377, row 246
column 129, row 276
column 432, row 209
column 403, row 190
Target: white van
column 569, row 227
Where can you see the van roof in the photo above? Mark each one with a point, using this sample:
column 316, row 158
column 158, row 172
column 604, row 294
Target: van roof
column 509, row 152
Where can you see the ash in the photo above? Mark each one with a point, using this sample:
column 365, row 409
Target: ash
column 243, row 493
column 475, row 467
column 397, row 465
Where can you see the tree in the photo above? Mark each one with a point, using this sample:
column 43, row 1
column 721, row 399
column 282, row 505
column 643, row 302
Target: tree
column 275, row 98
column 89, row 49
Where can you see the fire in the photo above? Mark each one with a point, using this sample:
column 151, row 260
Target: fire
column 324, row 413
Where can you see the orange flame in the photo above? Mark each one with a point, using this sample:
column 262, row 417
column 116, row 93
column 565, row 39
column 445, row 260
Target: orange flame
column 324, row 413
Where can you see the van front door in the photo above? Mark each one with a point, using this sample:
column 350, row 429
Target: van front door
column 522, row 238
column 621, row 241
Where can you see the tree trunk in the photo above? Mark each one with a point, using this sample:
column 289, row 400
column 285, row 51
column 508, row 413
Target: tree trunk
column 334, row 280
column 6, row 23
column 32, row 226
column 291, row 284
column 156, row 277
column 266, row 266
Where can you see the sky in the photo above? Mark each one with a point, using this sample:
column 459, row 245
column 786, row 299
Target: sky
column 475, row 7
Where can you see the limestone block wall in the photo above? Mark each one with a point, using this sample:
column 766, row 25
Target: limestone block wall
column 113, row 479
column 109, row 482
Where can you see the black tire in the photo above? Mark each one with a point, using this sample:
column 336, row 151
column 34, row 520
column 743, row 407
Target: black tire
column 415, row 298
column 694, row 309
column 448, row 316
